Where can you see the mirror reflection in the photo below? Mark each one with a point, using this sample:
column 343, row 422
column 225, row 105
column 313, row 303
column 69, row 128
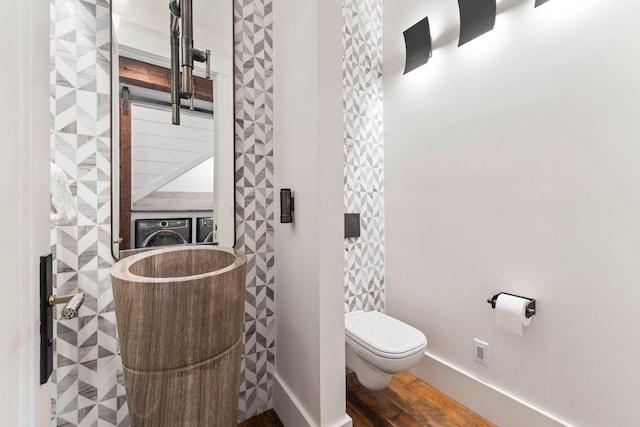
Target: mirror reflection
column 172, row 184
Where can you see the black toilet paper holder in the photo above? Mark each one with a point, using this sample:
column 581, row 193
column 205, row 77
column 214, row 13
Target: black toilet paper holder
column 531, row 306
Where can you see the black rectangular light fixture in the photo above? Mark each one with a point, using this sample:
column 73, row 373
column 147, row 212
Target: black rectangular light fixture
column 539, row 2
column 476, row 18
column 417, row 40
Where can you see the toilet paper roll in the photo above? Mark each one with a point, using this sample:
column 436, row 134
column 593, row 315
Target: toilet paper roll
column 511, row 313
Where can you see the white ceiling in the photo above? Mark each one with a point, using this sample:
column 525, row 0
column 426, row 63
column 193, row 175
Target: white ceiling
column 213, row 16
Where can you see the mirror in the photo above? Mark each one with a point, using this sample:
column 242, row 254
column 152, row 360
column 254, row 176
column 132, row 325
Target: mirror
column 171, row 184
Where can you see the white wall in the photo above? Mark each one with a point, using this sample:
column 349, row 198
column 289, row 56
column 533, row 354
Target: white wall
column 212, row 22
column 24, row 187
column 196, row 180
column 513, row 164
column 309, row 384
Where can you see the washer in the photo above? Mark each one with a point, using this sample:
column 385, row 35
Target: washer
column 162, row 232
column 205, row 230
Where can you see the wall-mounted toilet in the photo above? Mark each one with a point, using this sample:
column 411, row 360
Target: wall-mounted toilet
column 378, row 346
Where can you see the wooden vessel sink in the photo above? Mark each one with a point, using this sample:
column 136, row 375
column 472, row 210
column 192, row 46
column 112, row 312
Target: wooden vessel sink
column 180, row 314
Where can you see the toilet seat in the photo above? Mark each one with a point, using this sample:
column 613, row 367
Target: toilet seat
column 383, row 335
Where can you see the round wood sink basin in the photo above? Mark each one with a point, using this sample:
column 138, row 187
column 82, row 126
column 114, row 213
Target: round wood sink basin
column 180, row 314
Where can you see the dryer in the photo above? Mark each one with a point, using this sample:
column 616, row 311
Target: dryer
column 162, row 232
column 205, row 230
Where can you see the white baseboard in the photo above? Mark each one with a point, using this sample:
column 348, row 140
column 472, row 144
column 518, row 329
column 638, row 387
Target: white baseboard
column 290, row 410
column 494, row 404
column 345, row 422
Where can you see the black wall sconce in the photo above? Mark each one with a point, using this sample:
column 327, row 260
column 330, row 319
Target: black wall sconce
column 417, row 40
column 539, row 2
column 476, row 18
column 286, row 206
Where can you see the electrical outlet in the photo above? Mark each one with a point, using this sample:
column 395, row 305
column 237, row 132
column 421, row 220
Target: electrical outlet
column 481, row 351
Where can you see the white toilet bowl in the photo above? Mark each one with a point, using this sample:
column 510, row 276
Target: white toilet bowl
column 378, row 346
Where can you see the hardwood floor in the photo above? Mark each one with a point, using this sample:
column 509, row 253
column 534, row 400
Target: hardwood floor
column 407, row 402
column 266, row 419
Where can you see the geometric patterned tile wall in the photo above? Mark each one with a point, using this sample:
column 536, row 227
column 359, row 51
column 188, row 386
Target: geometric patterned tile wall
column 255, row 195
column 88, row 386
column 85, row 386
column 364, row 153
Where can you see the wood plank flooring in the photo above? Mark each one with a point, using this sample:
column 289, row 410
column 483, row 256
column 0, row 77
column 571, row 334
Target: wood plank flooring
column 407, row 402
column 266, row 419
